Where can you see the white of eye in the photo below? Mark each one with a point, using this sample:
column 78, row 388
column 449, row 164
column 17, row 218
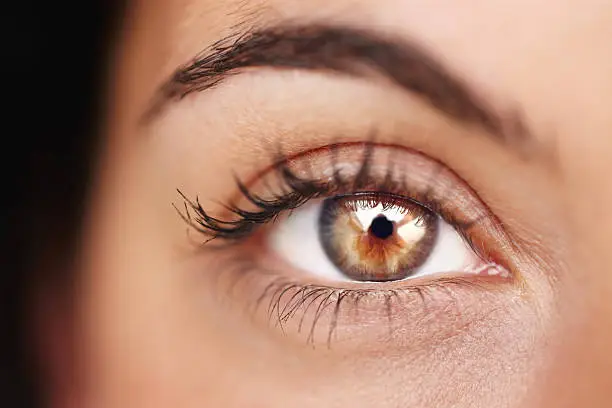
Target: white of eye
column 296, row 240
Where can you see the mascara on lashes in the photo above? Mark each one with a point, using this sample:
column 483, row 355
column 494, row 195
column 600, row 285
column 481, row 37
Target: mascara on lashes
column 295, row 190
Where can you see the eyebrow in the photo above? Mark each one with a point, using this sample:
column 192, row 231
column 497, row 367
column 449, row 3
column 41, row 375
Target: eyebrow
column 346, row 50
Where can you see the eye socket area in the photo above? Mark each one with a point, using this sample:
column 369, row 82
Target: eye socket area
column 373, row 237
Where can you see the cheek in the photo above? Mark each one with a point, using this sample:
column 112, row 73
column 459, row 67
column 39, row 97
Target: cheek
column 183, row 346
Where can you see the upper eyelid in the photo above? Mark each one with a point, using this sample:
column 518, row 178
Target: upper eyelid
column 264, row 209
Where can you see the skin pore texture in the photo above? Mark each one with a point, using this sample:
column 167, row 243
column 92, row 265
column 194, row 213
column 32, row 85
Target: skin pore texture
column 158, row 325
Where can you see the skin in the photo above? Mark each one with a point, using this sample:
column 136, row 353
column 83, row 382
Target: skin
column 156, row 328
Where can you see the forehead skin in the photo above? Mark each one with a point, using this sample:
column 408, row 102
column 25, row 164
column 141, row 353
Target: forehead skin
column 553, row 59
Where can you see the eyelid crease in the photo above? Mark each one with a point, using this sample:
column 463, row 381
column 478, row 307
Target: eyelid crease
column 333, row 149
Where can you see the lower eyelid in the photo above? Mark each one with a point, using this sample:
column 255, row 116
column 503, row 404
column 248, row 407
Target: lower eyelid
column 425, row 309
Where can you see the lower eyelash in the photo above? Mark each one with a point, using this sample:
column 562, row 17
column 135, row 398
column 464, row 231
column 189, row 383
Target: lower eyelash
column 319, row 299
column 308, row 305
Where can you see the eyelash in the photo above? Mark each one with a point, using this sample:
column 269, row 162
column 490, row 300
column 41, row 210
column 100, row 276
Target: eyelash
column 298, row 191
column 287, row 297
column 299, row 297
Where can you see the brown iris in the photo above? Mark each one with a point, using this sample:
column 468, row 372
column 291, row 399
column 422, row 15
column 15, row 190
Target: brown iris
column 373, row 237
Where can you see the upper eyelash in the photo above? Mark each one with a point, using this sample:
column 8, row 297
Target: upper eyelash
column 246, row 221
column 296, row 191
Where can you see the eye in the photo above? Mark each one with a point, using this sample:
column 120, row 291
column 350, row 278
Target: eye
column 345, row 235
column 345, row 223
column 371, row 237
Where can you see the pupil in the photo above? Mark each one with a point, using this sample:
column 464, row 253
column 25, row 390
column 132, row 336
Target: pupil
column 381, row 227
